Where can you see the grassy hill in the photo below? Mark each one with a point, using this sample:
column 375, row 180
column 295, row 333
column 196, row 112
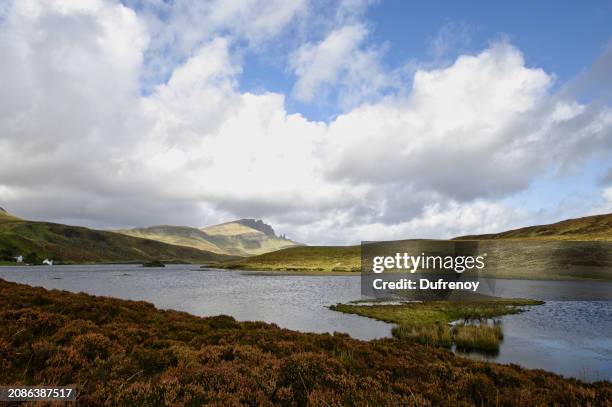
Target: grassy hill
column 573, row 248
column 82, row 245
column 588, row 228
column 244, row 237
column 547, row 259
column 303, row 259
column 6, row 216
column 528, row 253
column 117, row 352
column 247, row 237
column 176, row 235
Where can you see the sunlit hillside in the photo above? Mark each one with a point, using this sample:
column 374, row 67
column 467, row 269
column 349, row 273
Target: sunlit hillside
column 244, row 237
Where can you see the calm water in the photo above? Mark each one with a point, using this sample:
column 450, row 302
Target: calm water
column 293, row 302
column 573, row 338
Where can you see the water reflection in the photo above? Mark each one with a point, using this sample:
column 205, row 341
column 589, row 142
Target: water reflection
column 573, row 338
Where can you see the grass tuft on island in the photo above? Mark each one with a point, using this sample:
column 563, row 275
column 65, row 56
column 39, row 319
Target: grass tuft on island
column 118, row 352
column 428, row 323
column 481, row 337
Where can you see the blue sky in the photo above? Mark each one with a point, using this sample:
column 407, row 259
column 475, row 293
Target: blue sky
column 562, row 37
column 335, row 121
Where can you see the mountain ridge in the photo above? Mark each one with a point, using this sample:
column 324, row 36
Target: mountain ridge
column 242, row 237
column 76, row 244
column 257, row 224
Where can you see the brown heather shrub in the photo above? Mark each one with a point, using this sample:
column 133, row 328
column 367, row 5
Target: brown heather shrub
column 127, row 353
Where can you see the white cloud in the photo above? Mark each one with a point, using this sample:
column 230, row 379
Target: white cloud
column 436, row 220
column 79, row 143
column 179, row 28
column 340, row 59
column 482, row 127
column 451, row 39
column 605, row 203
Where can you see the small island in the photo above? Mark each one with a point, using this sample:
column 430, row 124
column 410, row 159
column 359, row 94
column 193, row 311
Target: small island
column 153, row 263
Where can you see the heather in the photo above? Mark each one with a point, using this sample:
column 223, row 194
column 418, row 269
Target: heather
column 118, row 352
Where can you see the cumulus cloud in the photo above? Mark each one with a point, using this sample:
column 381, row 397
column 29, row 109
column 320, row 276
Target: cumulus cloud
column 179, row 28
column 341, row 60
column 481, row 127
column 452, row 38
column 80, row 142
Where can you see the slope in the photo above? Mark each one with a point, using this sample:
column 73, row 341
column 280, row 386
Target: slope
column 176, row 235
column 588, row 228
column 247, row 237
column 244, row 237
column 75, row 244
column 303, row 259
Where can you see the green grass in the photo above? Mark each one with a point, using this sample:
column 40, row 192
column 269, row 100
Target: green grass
column 175, row 235
column 71, row 244
column 588, row 228
column 231, row 238
column 576, row 249
column 480, row 337
column 315, row 259
column 426, row 334
column 432, row 312
column 512, row 259
column 10, row 263
column 428, row 322
column 547, row 259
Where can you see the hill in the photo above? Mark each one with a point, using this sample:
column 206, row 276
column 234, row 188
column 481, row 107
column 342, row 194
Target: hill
column 303, row 259
column 75, row 244
column 588, row 228
column 118, row 352
column 531, row 260
column 6, row 216
column 572, row 249
column 247, row 237
column 176, row 235
column 244, row 237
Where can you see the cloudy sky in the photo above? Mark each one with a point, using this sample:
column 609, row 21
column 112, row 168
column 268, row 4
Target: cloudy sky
column 335, row 121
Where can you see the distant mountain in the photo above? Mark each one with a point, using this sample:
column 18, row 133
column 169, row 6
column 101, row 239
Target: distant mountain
column 82, row 245
column 572, row 249
column 243, row 237
column 177, row 235
column 588, row 228
column 257, row 225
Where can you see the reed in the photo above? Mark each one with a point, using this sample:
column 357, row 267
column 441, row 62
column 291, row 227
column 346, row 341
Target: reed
column 479, row 337
column 431, row 335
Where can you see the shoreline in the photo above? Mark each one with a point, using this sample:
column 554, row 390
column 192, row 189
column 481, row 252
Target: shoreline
column 312, row 320
column 170, row 349
column 267, row 271
column 303, row 272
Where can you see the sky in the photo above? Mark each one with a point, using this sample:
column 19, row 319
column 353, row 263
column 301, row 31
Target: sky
column 333, row 121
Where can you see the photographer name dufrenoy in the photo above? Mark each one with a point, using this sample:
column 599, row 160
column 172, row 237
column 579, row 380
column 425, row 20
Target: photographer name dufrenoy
column 450, row 265
column 424, row 284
